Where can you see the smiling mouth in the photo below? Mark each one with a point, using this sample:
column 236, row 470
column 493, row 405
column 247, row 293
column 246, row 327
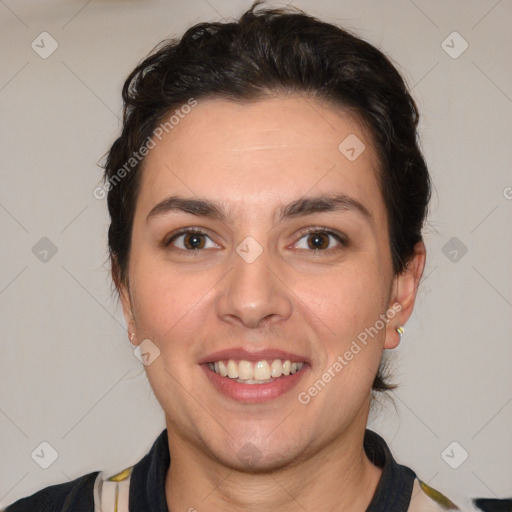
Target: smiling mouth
column 259, row 372
column 254, row 382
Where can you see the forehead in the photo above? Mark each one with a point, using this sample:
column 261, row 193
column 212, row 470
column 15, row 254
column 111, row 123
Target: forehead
column 263, row 153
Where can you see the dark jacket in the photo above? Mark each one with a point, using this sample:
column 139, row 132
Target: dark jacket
column 147, row 485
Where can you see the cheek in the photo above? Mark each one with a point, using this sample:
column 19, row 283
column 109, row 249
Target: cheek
column 343, row 309
column 346, row 300
column 168, row 304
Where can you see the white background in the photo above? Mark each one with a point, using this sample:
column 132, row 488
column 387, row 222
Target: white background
column 68, row 374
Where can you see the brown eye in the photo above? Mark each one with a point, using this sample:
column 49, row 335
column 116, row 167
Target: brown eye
column 319, row 240
column 193, row 241
column 190, row 240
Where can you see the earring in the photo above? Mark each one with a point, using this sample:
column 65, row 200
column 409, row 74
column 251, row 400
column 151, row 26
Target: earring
column 131, row 337
column 400, row 330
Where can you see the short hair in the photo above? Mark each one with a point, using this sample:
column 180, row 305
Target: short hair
column 263, row 53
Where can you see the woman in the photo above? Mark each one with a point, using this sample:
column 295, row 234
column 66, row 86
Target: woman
column 267, row 195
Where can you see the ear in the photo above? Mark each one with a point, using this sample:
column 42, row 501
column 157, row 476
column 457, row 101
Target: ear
column 124, row 293
column 403, row 297
column 123, row 288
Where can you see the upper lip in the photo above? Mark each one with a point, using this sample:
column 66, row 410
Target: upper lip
column 252, row 355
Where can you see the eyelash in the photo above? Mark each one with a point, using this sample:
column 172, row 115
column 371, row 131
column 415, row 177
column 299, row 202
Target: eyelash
column 315, row 230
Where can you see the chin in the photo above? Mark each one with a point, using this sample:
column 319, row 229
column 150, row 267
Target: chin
column 251, row 457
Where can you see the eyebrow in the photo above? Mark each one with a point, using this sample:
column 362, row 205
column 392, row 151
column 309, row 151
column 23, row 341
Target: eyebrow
column 298, row 208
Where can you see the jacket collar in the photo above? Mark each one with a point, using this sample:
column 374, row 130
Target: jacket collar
column 393, row 493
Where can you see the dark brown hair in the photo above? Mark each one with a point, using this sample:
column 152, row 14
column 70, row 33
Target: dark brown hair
column 269, row 51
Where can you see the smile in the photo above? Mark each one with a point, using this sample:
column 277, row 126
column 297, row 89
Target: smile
column 254, row 382
column 255, row 372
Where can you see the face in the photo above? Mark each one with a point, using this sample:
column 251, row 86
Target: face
column 266, row 266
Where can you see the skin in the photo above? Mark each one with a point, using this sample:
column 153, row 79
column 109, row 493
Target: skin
column 253, row 158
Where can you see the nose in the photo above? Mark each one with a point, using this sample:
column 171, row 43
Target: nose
column 254, row 294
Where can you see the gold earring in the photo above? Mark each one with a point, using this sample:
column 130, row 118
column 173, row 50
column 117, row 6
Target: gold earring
column 400, row 330
column 131, row 337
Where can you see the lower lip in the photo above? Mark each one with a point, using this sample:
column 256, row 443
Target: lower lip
column 254, row 393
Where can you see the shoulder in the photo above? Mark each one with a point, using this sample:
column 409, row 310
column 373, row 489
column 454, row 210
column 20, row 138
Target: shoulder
column 92, row 492
column 401, row 490
column 99, row 491
column 76, row 495
column 427, row 499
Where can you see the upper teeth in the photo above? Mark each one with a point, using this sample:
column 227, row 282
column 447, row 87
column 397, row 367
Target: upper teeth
column 261, row 370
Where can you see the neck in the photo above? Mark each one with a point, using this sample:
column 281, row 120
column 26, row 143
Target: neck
column 338, row 476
